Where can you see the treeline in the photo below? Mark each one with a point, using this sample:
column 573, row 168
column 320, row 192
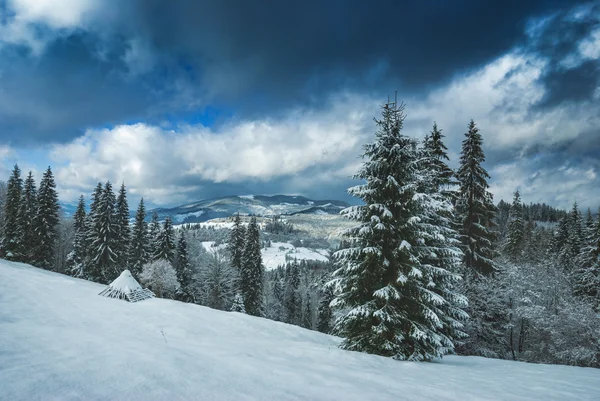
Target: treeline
column 30, row 219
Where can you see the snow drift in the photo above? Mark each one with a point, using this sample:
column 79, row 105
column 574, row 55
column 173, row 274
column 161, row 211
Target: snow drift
column 59, row 340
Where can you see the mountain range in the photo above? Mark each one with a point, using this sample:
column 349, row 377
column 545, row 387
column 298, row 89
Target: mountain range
column 259, row 205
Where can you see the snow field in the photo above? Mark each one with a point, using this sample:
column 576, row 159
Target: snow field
column 62, row 341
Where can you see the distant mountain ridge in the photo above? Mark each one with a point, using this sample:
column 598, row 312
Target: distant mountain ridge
column 260, row 205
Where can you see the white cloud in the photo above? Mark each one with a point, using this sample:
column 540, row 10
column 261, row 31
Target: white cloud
column 24, row 16
column 159, row 163
column 558, row 185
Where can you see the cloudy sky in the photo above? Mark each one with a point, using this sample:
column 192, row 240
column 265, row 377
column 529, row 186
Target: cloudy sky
column 186, row 100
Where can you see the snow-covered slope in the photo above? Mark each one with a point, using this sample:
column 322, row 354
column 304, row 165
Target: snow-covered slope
column 59, row 340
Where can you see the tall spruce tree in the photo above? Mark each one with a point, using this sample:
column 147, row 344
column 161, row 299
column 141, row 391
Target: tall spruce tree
column 140, row 244
column 384, row 283
column 586, row 275
column 27, row 213
column 165, row 242
column 438, row 156
column 46, row 221
column 13, row 231
column 236, row 243
column 307, row 319
column 576, row 236
column 292, row 302
column 516, row 230
column 183, row 268
column 153, row 236
column 475, row 206
column 103, row 259
column 324, row 312
column 76, row 258
column 123, row 233
column 252, row 272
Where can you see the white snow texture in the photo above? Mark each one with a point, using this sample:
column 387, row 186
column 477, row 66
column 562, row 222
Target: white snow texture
column 60, row 341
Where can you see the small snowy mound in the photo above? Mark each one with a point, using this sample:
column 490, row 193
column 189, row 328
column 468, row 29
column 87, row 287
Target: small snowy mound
column 126, row 287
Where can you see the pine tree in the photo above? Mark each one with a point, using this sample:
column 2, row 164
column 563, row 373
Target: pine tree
column 292, row 302
column 307, row 321
column 475, row 205
column 76, row 258
column 91, row 269
column 278, row 290
column 236, row 243
column 123, row 233
column 46, row 221
column 252, row 271
column 183, row 268
column 165, row 242
column 27, row 213
column 153, row 236
column 324, row 312
column 586, row 275
column 383, row 282
column 13, row 232
column 575, row 232
column 516, row 229
column 103, row 259
column 139, row 250
column 238, row 304
column 438, row 154
column 438, row 249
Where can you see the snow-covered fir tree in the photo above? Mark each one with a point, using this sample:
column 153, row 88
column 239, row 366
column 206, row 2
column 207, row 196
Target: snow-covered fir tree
column 27, row 212
column 251, row 275
column 123, row 233
column 238, row 304
column 575, row 237
column 325, row 314
column 437, row 151
column 153, row 236
column 103, row 239
column 586, row 275
column 183, row 268
column 439, row 247
column 475, row 205
column 13, row 232
column 92, row 270
column 236, row 242
column 392, row 298
column 307, row 317
column 76, row 259
column 276, row 310
column 516, row 229
column 139, row 249
column 165, row 242
column 292, row 301
column 46, row 221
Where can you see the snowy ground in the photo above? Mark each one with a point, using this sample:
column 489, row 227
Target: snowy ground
column 275, row 255
column 61, row 341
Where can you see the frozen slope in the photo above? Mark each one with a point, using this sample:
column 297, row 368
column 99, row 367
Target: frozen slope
column 59, row 340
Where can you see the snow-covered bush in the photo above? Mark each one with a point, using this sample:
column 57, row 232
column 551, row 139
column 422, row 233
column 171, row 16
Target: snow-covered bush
column 161, row 277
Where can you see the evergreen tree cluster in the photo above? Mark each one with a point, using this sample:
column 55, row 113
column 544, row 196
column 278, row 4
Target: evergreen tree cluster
column 30, row 219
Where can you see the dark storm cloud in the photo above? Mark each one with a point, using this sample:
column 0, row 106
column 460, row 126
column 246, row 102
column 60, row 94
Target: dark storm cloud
column 558, row 39
column 254, row 57
column 68, row 88
column 302, row 50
